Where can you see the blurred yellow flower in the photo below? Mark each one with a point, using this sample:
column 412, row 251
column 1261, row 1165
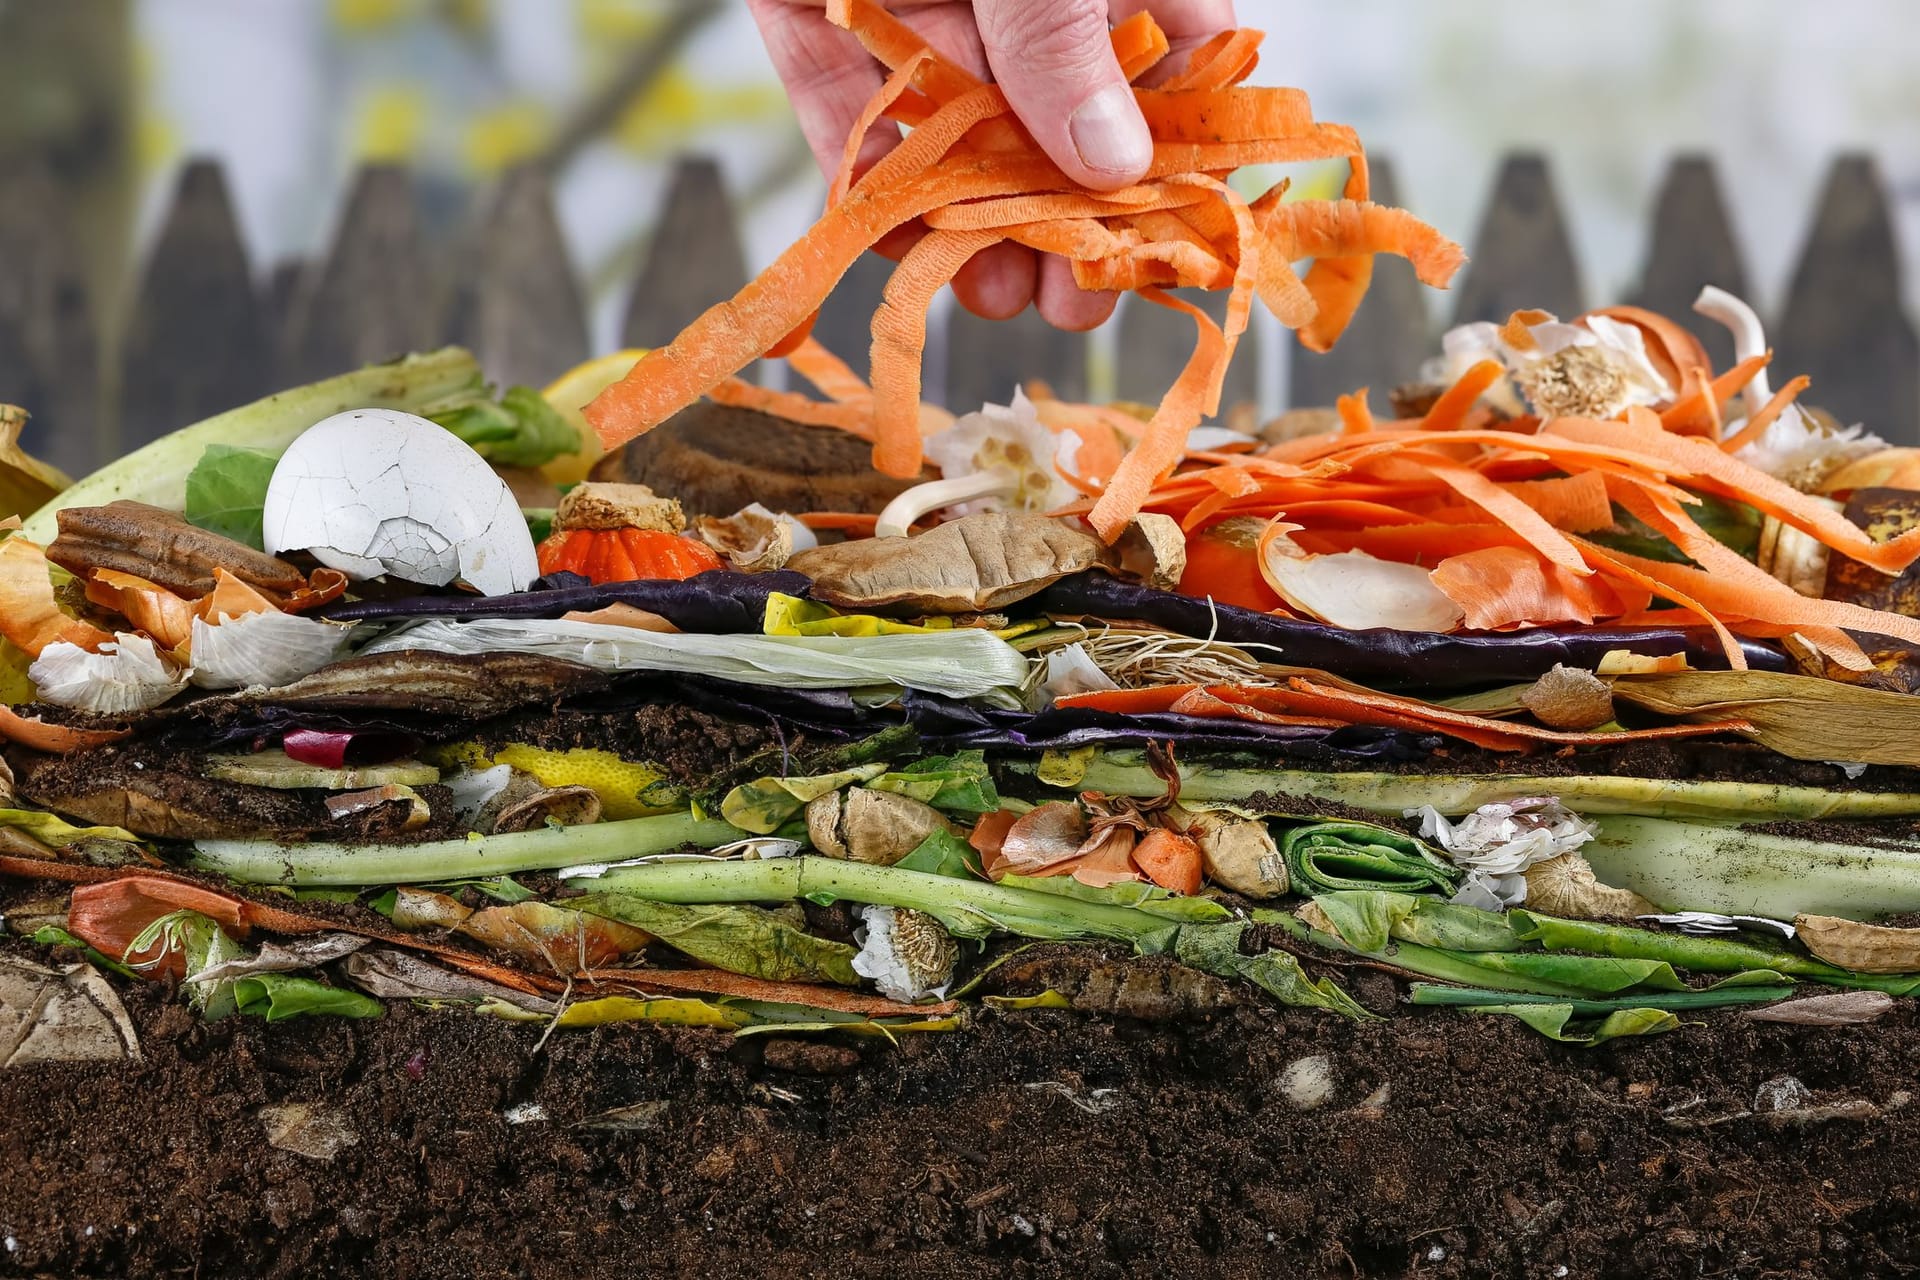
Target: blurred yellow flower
column 155, row 142
column 391, row 121
column 662, row 117
column 498, row 137
column 358, row 17
column 618, row 21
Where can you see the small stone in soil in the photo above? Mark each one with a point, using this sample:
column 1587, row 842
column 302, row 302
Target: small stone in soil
column 308, row 1129
column 1309, row 1083
column 1782, row 1093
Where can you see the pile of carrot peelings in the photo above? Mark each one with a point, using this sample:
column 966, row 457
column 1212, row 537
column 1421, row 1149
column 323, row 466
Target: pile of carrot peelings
column 1468, row 519
column 972, row 177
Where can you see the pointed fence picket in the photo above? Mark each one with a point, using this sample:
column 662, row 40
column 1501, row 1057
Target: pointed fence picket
column 207, row 326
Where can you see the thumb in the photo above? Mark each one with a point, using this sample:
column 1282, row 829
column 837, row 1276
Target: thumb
column 1055, row 60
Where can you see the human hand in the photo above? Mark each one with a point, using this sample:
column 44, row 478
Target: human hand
column 1053, row 59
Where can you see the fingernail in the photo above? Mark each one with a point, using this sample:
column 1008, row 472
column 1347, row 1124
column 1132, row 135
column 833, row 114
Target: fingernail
column 1109, row 134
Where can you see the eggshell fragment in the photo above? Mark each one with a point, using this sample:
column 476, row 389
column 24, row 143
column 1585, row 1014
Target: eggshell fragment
column 377, row 491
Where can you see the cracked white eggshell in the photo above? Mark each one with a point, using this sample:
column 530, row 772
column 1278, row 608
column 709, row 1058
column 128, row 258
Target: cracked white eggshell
column 373, row 491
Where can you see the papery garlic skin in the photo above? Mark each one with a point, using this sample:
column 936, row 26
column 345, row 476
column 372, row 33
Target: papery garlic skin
column 126, row 675
column 1497, row 843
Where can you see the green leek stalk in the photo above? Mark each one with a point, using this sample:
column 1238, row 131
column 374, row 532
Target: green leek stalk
column 1454, row 967
column 1125, row 773
column 1699, row 954
column 157, row 474
column 476, row 857
column 1422, row 993
column 968, row 908
column 1702, row 867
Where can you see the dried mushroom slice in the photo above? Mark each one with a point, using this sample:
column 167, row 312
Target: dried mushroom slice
column 718, row 458
column 163, row 548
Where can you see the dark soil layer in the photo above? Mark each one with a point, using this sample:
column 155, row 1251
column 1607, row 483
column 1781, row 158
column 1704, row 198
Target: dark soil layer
column 1036, row 1143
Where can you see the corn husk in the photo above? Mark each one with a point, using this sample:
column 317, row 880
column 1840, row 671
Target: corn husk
column 1805, row 717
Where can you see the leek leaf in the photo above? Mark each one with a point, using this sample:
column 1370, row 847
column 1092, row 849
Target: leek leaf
column 157, row 474
column 1706, row 955
column 1215, row 949
column 1555, row 1021
column 1324, row 856
column 737, row 938
column 279, row 996
column 944, row 854
column 227, row 490
column 960, row 783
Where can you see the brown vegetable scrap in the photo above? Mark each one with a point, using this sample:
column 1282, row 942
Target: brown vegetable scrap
column 160, row 546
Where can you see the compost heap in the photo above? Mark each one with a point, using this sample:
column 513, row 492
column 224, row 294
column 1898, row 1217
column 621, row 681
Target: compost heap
column 1579, row 688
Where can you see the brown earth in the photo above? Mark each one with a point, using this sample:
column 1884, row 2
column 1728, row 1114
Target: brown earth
column 1035, row 1143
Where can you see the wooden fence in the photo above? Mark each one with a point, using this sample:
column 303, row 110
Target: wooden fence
column 206, row 328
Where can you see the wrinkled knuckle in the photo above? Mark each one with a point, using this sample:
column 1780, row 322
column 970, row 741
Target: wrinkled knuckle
column 1063, row 33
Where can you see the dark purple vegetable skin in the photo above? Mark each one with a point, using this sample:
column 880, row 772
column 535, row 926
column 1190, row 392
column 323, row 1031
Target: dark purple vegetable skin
column 1390, row 659
column 945, row 725
column 718, row 602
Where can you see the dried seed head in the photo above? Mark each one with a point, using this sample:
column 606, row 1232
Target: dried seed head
column 1570, row 698
column 602, row 505
column 1575, row 382
column 1566, row 886
column 908, row 954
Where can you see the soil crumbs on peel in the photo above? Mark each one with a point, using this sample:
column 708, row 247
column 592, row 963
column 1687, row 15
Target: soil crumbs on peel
column 1038, row 1143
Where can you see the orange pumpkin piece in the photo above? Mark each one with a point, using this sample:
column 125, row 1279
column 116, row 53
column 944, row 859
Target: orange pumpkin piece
column 625, row 555
column 1169, row 859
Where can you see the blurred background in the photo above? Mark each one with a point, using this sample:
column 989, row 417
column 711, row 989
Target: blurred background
column 104, row 102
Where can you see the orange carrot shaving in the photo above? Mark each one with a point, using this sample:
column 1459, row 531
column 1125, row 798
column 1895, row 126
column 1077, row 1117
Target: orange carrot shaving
column 1355, row 417
column 1165, row 440
column 829, row 374
column 1512, row 512
column 852, row 417
column 853, row 523
column 1736, row 587
column 1226, row 59
column 1757, row 425
column 1715, row 471
column 1449, row 412
column 1138, row 45
column 1517, row 332
column 1499, row 588
column 967, row 169
column 900, row 336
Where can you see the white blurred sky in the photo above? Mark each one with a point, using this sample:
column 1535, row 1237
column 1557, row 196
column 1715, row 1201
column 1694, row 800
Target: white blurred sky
column 1772, row 88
